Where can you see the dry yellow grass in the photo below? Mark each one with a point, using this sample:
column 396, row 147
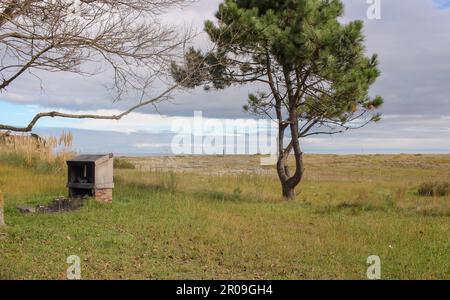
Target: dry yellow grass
column 351, row 180
column 32, row 150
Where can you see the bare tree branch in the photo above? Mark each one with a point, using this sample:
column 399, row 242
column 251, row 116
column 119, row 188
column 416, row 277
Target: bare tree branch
column 126, row 37
column 55, row 114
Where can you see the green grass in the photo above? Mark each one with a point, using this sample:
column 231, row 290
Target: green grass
column 194, row 225
column 434, row 189
column 34, row 163
column 120, row 163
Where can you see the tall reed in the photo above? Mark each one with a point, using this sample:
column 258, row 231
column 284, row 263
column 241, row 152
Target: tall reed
column 32, row 151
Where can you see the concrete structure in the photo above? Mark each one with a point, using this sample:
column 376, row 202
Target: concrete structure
column 2, row 218
column 92, row 176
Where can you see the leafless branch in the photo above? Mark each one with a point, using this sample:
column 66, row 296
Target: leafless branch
column 127, row 37
column 55, row 114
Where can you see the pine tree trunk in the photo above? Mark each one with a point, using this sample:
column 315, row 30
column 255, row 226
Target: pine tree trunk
column 288, row 192
column 288, row 182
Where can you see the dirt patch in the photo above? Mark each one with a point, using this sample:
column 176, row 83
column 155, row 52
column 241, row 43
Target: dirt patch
column 61, row 204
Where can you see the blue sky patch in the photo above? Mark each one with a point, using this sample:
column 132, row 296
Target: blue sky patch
column 443, row 4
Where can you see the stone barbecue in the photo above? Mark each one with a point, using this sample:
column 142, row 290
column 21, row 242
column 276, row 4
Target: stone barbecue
column 91, row 176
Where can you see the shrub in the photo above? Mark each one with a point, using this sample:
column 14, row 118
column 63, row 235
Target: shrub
column 434, row 189
column 32, row 151
column 123, row 164
column 170, row 183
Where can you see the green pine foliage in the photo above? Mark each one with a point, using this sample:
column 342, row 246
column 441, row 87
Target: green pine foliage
column 301, row 38
column 314, row 67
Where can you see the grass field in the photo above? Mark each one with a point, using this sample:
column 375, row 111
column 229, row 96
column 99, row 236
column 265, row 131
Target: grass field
column 223, row 218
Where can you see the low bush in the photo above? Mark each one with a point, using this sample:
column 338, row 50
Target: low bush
column 123, row 164
column 31, row 151
column 434, row 189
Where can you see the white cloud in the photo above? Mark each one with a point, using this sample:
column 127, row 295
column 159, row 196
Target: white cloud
column 412, row 40
column 150, row 146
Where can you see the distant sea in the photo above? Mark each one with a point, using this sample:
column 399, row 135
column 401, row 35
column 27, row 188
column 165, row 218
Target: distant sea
column 141, row 144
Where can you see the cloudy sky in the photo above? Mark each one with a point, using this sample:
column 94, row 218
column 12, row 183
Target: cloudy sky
column 412, row 39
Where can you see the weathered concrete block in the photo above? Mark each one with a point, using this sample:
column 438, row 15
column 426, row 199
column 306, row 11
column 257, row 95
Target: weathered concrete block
column 26, row 209
column 2, row 217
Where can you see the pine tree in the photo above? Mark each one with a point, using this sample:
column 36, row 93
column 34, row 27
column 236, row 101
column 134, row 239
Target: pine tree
column 315, row 70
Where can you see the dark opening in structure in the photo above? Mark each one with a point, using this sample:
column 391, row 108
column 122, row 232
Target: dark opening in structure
column 80, row 193
column 82, row 173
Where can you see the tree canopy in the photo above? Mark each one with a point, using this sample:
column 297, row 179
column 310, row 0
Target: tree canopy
column 314, row 68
